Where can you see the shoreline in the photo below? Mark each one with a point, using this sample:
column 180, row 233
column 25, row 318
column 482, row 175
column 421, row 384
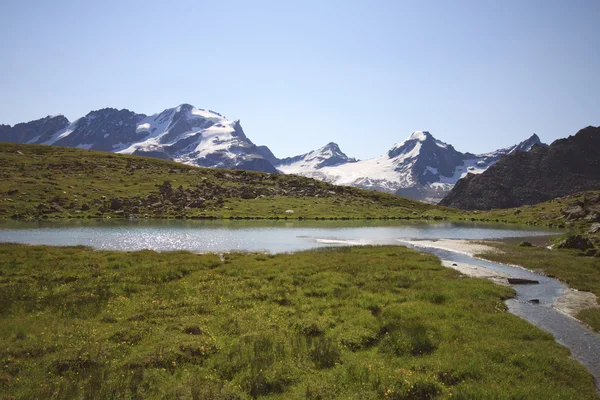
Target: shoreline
column 570, row 303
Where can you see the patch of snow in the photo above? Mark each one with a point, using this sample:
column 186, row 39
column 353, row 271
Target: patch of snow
column 418, row 135
column 431, row 170
column 62, row 133
column 142, row 127
column 469, row 166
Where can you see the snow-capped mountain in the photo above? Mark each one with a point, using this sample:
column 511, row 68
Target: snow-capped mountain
column 421, row 167
column 329, row 155
column 185, row 134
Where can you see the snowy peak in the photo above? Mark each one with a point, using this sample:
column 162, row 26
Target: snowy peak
column 419, row 135
column 326, row 156
column 527, row 144
column 412, row 146
column 330, row 154
column 184, row 133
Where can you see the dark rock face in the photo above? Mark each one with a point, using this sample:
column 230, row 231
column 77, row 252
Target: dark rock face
column 445, row 160
column 104, row 129
column 524, row 178
column 37, row 131
column 267, row 154
column 257, row 164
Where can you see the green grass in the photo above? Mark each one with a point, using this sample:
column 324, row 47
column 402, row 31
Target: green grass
column 338, row 323
column 47, row 182
column 581, row 273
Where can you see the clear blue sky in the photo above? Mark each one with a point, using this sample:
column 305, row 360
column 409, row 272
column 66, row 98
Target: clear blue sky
column 478, row 74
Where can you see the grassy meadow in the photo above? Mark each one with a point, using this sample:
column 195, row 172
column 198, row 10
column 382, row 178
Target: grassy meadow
column 336, row 323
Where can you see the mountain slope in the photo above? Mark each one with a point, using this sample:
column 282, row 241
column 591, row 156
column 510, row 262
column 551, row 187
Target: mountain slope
column 185, row 134
column 58, row 182
column 523, row 178
column 421, row 167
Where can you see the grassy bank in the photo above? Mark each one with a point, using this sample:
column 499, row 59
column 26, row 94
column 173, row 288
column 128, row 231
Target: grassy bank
column 46, row 182
column 362, row 323
column 581, row 273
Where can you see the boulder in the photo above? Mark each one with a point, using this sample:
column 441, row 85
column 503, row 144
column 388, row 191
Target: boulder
column 594, row 228
column 115, row 204
column 578, row 242
column 592, row 216
column 521, row 281
column 574, row 211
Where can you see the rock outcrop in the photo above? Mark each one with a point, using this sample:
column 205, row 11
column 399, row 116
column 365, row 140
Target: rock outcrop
column 565, row 167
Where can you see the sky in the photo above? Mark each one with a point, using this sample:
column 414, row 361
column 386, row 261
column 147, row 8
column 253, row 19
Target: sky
column 479, row 75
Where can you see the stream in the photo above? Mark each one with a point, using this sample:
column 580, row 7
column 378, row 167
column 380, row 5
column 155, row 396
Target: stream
column 582, row 341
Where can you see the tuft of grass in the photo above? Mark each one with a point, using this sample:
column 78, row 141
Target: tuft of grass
column 356, row 323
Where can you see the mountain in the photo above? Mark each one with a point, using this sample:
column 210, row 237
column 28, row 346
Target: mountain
column 421, row 167
column 185, row 134
column 329, row 155
column 565, row 167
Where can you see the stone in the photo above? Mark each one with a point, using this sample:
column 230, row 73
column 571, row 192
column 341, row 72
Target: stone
column 521, row 281
column 574, row 211
column 578, row 242
column 115, row 204
column 592, row 216
column 525, row 244
column 594, row 228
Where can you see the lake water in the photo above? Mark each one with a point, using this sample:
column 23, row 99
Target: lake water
column 268, row 236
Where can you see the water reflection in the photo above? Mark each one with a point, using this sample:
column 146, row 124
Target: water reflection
column 270, row 236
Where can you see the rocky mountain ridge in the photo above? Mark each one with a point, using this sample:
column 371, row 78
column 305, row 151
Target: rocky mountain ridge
column 523, row 178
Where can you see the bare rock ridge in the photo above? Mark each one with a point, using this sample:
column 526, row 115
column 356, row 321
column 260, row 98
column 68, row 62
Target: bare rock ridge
column 420, row 167
column 565, row 167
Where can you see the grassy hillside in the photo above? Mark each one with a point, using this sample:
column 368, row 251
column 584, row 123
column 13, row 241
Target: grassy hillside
column 343, row 323
column 54, row 182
